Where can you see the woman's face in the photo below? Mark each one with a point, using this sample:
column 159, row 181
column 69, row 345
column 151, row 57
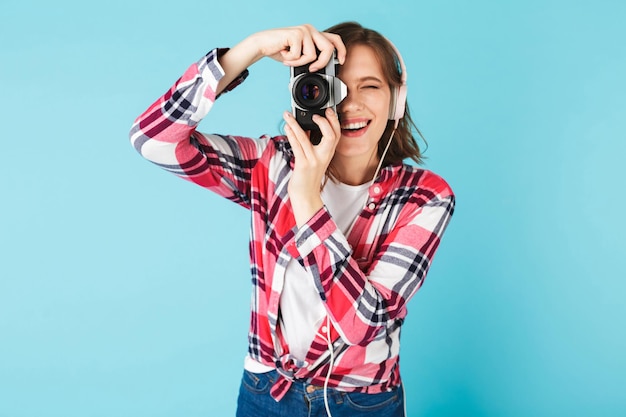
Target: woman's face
column 364, row 112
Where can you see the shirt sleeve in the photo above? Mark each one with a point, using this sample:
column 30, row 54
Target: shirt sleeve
column 364, row 304
column 165, row 134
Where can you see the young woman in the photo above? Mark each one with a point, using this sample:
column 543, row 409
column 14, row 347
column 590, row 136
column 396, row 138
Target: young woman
column 343, row 232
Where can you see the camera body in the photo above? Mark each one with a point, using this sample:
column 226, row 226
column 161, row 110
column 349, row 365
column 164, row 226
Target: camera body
column 313, row 92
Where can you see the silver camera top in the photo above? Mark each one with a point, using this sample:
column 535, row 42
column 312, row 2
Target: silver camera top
column 313, row 92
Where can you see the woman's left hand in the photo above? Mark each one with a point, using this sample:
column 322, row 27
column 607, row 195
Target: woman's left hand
column 311, row 163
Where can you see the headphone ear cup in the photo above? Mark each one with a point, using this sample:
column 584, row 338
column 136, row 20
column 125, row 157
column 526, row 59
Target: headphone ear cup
column 399, row 103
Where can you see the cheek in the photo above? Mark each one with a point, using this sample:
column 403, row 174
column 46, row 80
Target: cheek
column 382, row 114
column 378, row 128
column 379, row 104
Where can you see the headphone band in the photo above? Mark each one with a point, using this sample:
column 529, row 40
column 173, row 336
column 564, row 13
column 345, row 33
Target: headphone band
column 399, row 95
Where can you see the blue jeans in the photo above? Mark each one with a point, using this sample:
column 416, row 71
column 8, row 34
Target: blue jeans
column 303, row 400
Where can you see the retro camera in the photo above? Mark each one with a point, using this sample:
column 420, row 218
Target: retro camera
column 313, row 92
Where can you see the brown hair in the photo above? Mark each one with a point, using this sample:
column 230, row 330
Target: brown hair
column 403, row 144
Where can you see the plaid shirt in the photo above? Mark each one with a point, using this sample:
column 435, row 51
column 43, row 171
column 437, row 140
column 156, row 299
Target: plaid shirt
column 364, row 280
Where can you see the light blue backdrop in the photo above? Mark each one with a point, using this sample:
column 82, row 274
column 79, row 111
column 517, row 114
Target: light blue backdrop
column 124, row 291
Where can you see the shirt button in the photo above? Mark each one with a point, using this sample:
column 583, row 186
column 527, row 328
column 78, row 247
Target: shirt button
column 371, row 206
column 376, row 190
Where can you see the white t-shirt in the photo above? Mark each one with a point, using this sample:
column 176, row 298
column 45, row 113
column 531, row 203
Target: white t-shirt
column 299, row 325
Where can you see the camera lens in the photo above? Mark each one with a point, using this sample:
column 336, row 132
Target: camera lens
column 311, row 91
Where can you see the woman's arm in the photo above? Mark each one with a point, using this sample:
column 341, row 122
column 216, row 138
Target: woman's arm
column 165, row 133
column 364, row 303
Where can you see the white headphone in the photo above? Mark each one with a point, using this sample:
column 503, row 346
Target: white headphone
column 398, row 96
column 396, row 107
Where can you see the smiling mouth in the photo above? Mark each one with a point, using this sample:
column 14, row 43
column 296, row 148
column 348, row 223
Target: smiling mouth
column 354, row 127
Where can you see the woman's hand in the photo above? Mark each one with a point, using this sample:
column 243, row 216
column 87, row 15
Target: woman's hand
column 298, row 45
column 293, row 46
column 311, row 163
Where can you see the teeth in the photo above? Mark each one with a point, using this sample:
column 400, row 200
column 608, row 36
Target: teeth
column 354, row 126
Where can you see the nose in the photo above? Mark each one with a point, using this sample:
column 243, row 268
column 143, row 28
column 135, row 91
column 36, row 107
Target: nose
column 350, row 103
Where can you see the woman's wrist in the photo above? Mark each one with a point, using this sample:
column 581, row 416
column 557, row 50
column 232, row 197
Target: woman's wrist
column 305, row 209
column 236, row 60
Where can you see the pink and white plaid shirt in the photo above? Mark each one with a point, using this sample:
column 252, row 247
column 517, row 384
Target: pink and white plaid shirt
column 364, row 280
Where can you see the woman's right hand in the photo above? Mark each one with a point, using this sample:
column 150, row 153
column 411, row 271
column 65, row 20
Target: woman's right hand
column 293, row 46
column 298, row 45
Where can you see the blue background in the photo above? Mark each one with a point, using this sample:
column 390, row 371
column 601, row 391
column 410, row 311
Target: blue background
column 124, row 290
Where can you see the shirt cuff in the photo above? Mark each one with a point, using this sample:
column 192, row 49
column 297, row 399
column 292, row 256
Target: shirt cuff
column 318, row 229
column 211, row 62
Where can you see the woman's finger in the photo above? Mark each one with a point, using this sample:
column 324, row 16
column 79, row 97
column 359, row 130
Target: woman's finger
column 338, row 45
column 329, row 126
column 309, row 51
column 325, row 49
column 306, row 51
column 293, row 50
column 333, row 119
column 295, row 146
column 316, row 48
column 297, row 137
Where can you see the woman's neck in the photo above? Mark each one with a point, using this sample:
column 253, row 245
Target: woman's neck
column 353, row 171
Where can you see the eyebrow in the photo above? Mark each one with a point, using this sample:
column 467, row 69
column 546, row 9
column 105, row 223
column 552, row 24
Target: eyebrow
column 369, row 78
